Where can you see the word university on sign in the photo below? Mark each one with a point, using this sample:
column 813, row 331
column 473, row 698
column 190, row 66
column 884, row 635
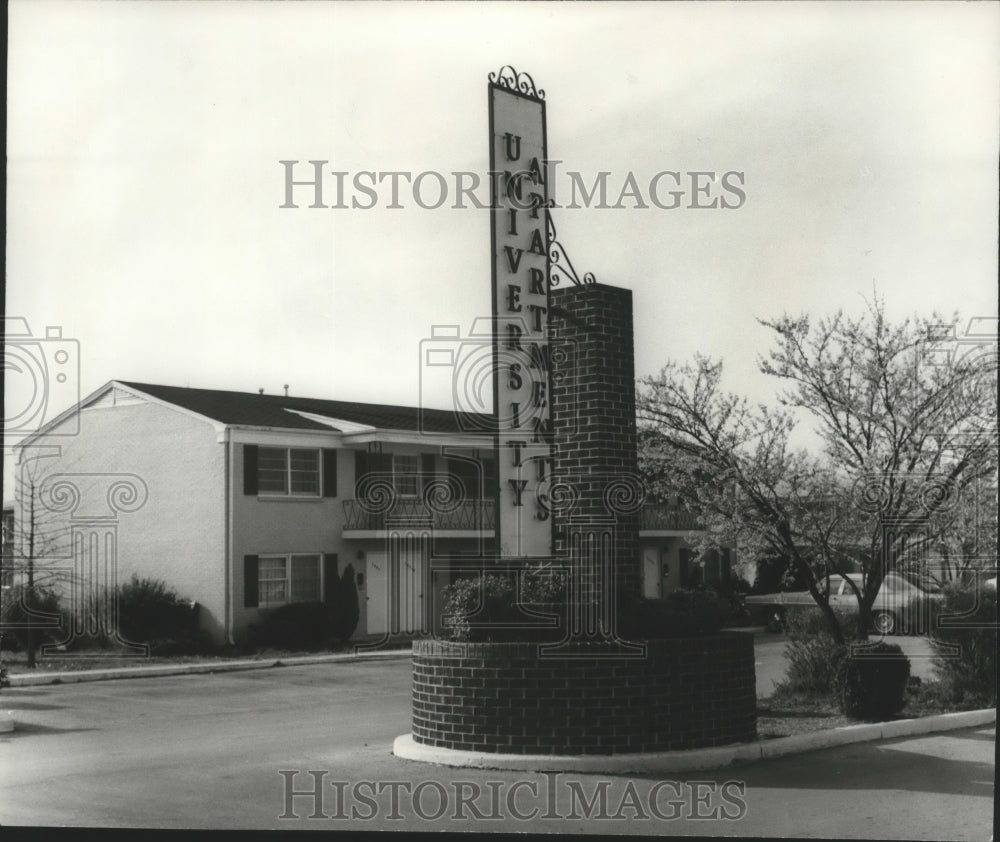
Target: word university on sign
column 522, row 360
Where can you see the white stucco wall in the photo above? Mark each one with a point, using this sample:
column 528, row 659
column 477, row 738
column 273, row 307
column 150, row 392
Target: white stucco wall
column 177, row 534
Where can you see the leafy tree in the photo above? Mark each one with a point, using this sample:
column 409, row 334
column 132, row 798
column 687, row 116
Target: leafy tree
column 903, row 442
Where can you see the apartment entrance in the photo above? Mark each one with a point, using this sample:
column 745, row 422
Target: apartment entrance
column 399, row 585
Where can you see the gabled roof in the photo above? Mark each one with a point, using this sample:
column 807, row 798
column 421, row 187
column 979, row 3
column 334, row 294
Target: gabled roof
column 256, row 410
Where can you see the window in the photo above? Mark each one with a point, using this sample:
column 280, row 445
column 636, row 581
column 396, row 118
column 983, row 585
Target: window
column 475, row 478
column 405, row 474
column 288, row 578
column 273, row 581
column 303, row 471
column 288, row 470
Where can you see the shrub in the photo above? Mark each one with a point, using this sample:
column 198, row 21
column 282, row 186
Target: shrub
column 22, row 606
column 812, row 653
column 297, row 625
column 544, row 586
column 968, row 678
column 871, row 683
column 682, row 613
column 472, row 604
column 150, row 610
column 344, row 605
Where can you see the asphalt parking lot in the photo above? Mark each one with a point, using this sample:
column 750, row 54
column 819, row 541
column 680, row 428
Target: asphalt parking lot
column 229, row 750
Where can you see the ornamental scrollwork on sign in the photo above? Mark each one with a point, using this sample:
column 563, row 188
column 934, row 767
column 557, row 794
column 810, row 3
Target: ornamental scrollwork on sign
column 522, row 83
column 560, row 264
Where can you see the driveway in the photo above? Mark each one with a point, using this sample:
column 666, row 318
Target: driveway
column 209, row 751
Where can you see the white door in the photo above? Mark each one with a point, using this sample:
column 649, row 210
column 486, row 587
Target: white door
column 378, row 592
column 409, row 562
column 651, row 588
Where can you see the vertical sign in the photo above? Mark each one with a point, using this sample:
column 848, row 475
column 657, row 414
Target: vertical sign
column 521, row 351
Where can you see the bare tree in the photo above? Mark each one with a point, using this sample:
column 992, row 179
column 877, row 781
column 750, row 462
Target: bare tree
column 903, row 440
column 41, row 552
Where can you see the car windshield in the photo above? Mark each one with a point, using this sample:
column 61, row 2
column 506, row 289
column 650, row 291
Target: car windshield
column 923, row 582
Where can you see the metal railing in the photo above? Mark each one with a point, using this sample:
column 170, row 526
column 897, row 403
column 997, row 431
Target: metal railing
column 471, row 515
column 481, row 515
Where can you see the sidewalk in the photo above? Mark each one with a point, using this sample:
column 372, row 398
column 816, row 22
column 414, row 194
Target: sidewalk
column 195, row 668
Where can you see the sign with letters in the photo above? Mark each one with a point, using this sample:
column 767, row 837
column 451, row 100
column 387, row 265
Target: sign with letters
column 521, row 342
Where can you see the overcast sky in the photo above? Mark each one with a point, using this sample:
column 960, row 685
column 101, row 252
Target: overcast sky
column 144, row 181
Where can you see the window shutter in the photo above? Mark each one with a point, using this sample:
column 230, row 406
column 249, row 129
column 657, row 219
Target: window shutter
column 426, row 470
column 250, row 571
column 490, row 479
column 330, row 577
column 250, row 469
column 469, row 475
column 329, row 473
column 685, row 570
column 360, row 469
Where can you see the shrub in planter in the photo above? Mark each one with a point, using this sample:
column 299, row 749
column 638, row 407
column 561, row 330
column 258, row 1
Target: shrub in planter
column 970, row 677
column 683, row 613
column 297, row 625
column 473, row 604
column 872, row 683
column 469, row 602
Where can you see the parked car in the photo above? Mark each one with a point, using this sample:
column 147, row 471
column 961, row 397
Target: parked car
column 899, row 605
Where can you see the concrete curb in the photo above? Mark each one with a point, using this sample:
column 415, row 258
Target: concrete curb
column 693, row 760
column 77, row 676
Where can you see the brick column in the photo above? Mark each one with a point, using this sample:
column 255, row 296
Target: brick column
column 595, row 488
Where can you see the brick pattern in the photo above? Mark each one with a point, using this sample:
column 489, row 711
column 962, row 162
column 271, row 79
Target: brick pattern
column 503, row 697
column 594, row 430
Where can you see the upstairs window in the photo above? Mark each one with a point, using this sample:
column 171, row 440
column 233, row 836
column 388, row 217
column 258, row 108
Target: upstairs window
column 405, row 474
column 289, row 471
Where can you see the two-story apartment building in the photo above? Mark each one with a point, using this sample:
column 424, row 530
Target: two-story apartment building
column 244, row 502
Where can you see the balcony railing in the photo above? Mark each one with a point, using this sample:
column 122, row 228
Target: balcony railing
column 656, row 516
column 478, row 515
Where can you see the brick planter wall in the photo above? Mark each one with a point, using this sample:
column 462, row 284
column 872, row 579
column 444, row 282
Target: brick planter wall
column 501, row 697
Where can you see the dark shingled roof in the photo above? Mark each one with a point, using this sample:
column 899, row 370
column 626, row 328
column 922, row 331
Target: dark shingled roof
column 256, row 410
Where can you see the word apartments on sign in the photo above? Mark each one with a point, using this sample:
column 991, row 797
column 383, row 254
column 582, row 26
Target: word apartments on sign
column 524, row 356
